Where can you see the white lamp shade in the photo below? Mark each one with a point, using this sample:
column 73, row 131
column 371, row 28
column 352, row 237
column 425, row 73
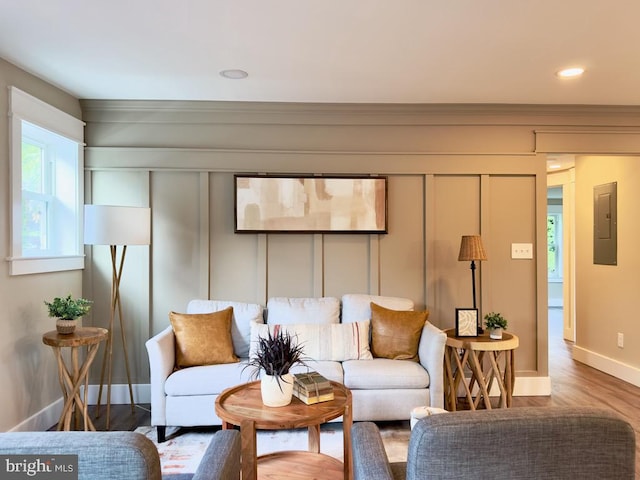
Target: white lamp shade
column 116, row 225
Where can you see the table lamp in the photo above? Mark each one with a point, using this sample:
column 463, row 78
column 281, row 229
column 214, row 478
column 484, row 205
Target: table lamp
column 116, row 226
column 471, row 249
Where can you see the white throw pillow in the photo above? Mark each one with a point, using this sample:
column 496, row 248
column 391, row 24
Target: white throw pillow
column 357, row 306
column 335, row 342
column 289, row 310
column 244, row 314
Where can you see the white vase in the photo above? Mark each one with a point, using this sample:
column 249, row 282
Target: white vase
column 495, row 333
column 276, row 393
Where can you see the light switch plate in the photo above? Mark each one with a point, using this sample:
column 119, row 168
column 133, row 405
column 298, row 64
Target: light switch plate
column 522, row 251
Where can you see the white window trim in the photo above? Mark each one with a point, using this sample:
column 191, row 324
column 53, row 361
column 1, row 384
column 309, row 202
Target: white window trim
column 23, row 106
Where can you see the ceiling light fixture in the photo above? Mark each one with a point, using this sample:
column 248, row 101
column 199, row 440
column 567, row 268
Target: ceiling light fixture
column 554, row 166
column 570, row 72
column 234, row 74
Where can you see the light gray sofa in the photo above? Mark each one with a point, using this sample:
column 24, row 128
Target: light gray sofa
column 122, row 455
column 516, row 443
column 382, row 389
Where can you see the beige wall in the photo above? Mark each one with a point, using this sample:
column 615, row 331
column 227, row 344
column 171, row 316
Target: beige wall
column 449, row 175
column 607, row 295
column 28, row 375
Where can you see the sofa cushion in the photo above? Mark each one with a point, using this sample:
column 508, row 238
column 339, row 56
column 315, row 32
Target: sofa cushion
column 203, row 338
column 383, row 373
column 357, row 306
column 334, row 342
column 206, row 380
column 286, row 310
column 396, row 334
column 243, row 315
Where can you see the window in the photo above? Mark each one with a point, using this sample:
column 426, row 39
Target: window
column 554, row 244
column 46, row 187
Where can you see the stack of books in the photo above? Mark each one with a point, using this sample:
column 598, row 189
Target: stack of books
column 311, row 387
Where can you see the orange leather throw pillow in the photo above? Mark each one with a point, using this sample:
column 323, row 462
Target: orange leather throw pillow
column 396, row 334
column 203, row 338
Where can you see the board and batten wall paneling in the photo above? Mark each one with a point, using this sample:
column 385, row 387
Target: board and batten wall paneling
column 291, row 265
column 507, row 283
column 237, row 260
column 175, row 243
column 455, row 211
column 129, row 188
column 348, row 264
column 402, row 266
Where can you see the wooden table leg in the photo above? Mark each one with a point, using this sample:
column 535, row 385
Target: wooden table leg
column 314, row 438
column 347, row 422
column 477, row 371
column 509, row 375
column 459, row 378
column 249, row 455
column 449, row 393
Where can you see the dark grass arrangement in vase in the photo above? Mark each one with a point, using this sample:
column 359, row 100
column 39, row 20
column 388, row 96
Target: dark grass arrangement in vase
column 275, row 355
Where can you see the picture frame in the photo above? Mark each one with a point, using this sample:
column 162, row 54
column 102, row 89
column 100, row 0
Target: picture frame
column 466, row 322
column 310, row 204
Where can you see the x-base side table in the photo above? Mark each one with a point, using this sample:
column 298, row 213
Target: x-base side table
column 469, row 354
column 74, row 376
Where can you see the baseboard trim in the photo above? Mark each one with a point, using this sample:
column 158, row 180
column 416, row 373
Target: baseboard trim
column 613, row 367
column 49, row 415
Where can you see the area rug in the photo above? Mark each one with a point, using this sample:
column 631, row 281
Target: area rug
column 182, row 451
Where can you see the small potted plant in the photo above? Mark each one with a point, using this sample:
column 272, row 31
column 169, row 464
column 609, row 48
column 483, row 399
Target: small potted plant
column 275, row 355
column 496, row 323
column 66, row 311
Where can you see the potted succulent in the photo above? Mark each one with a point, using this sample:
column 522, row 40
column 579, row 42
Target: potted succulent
column 275, row 355
column 495, row 323
column 66, row 311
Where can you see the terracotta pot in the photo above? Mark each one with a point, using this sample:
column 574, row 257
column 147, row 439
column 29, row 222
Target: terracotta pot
column 65, row 327
column 274, row 394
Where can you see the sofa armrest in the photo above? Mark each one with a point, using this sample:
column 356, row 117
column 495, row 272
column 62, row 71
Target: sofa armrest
column 221, row 460
column 162, row 351
column 431, row 353
column 370, row 461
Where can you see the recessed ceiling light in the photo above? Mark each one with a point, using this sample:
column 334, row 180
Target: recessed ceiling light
column 554, row 166
column 571, row 72
column 234, row 74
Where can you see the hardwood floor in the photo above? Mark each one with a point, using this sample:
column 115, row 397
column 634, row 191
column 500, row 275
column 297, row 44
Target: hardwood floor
column 572, row 383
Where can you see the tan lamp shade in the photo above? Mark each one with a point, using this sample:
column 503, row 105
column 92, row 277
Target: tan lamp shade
column 471, row 248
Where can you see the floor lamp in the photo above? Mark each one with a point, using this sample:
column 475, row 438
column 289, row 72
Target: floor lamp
column 471, row 249
column 116, row 226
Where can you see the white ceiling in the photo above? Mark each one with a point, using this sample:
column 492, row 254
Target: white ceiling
column 380, row 51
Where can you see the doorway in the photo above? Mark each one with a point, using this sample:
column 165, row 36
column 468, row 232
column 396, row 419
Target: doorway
column 554, row 261
column 561, row 248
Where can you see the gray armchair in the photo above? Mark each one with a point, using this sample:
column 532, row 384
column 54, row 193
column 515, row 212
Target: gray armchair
column 515, row 443
column 123, row 455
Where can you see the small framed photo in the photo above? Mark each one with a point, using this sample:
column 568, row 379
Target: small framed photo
column 466, row 322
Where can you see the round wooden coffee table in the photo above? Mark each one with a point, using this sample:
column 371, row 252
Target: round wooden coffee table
column 242, row 406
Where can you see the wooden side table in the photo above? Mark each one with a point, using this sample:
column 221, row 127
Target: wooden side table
column 73, row 376
column 242, row 406
column 462, row 353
